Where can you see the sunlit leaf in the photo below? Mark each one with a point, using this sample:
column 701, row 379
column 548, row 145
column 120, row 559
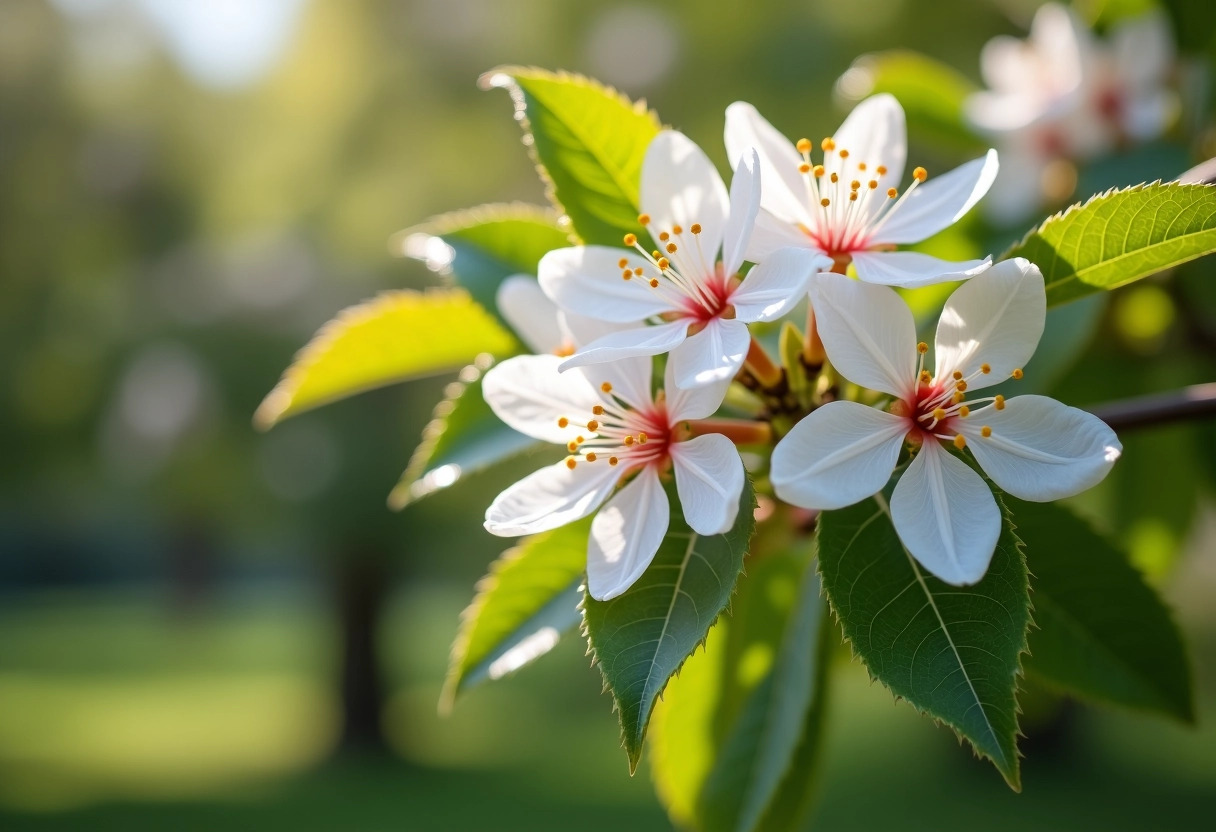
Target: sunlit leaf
column 523, row 606
column 756, row 758
column 463, row 437
column 480, row 247
column 588, row 142
column 952, row 652
column 393, row 337
column 642, row 637
column 1121, row 236
column 1102, row 633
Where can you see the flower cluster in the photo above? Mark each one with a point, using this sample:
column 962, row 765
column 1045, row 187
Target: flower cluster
column 821, row 227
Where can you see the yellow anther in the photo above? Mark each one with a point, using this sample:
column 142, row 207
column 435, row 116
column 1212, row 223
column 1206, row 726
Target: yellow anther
column 671, row 248
column 925, row 378
column 572, row 446
column 642, row 438
column 638, row 271
column 695, row 228
column 834, row 178
column 654, row 283
column 622, row 263
column 580, row 439
column 922, row 348
column 664, row 236
column 828, row 145
column 999, row 402
column 920, row 174
column 963, row 411
column 643, row 219
column 881, row 170
column 960, row 385
column 593, row 426
column 853, row 196
column 818, row 170
column 985, row 369
column 675, row 229
column 873, row 183
column 626, row 275
column 563, row 422
column 939, row 413
column 664, row 264
column 804, row 145
column 959, row 441
column 804, row 168
column 606, row 387
column 958, row 374
column 613, row 460
column 825, row 202
column 570, row 463
column 854, row 185
column 892, row 193
column 598, row 410
column 656, row 254
column 1017, row 373
column 631, row 239
column 844, row 154
column 861, row 165
column 590, row 457
column 985, row 431
column 958, row 397
column 628, row 441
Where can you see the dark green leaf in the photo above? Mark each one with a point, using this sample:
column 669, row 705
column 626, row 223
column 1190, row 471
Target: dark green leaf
column 1121, row 236
column 952, row 652
column 482, row 246
column 588, row 142
column 1102, row 633
column 526, row 602
column 756, row 758
column 642, row 637
column 463, row 437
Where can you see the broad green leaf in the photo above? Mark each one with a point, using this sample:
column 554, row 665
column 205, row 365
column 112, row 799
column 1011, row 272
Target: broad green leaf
column 1102, row 633
column 588, row 142
column 755, row 759
column 642, row 637
column 522, row 607
column 1121, row 236
column 463, row 437
column 952, row 652
column 393, row 337
column 482, row 246
column 931, row 92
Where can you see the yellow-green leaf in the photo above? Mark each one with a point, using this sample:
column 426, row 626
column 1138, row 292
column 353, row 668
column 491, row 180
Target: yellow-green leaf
column 393, row 337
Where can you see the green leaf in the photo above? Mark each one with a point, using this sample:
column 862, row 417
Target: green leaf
column 482, row 246
column 641, row 638
column 952, row 652
column 527, row 601
column 1102, row 634
column 756, row 757
column 1121, row 236
column 588, row 142
column 393, row 337
column 463, row 437
column 931, row 92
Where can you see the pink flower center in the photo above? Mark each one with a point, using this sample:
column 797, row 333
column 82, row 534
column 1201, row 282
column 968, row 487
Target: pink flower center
column 683, row 275
column 620, row 433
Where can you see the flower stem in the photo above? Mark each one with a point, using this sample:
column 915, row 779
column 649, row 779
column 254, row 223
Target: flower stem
column 739, row 431
column 761, row 366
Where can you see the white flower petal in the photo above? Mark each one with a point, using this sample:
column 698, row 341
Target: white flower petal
column 578, row 330
column 912, row 269
column 995, row 319
column 744, row 206
column 698, row 402
column 709, row 479
column 530, row 394
column 868, row 332
column 875, row 133
column 784, row 193
column 629, row 377
column 530, row 313
column 630, row 343
column 1018, row 190
column 625, row 536
column 1143, row 49
column 680, row 186
column 1147, row 116
column 549, row 498
column 775, row 286
column 839, row 454
column 1040, row 449
column 711, row 356
column 940, row 202
column 771, row 234
column 587, row 280
column 945, row 516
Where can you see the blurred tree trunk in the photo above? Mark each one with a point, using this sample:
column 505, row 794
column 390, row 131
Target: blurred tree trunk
column 362, row 592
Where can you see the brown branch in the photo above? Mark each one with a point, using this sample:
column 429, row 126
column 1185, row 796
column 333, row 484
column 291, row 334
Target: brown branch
column 1195, row 402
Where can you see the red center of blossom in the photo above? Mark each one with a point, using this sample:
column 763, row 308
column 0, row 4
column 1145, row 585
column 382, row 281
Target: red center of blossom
column 619, row 432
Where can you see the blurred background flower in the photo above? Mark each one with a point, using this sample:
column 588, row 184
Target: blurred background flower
column 204, row 625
